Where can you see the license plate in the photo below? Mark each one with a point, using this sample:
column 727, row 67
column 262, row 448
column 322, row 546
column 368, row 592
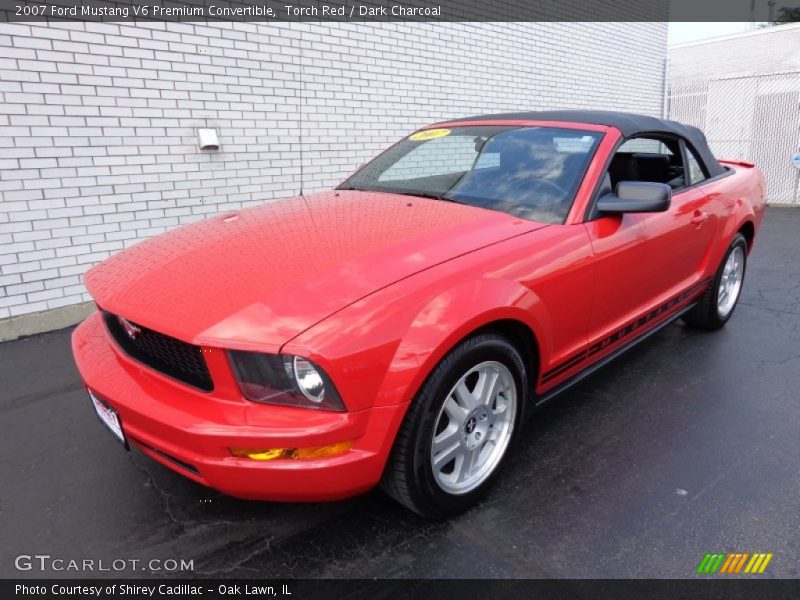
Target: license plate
column 109, row 417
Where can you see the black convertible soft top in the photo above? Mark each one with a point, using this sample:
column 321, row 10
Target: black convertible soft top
column 629, row 124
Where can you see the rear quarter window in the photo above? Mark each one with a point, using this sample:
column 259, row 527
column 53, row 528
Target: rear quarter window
column 696, row 171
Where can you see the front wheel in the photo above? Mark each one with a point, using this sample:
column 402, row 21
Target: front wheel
column 717, row 304
column 458, row 429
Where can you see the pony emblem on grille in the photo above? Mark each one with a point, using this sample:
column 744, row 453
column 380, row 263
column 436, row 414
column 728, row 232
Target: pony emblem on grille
column 130, row 329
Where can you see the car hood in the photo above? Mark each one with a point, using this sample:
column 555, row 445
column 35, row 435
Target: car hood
column 256, row 278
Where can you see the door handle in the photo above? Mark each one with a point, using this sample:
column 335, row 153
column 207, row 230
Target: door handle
column 699, row 217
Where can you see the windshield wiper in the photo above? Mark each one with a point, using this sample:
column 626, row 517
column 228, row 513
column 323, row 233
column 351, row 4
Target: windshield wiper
column 431, row 195
column 418, row 193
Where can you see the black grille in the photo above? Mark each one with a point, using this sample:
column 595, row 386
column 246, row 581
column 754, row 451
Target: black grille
column 168, row 355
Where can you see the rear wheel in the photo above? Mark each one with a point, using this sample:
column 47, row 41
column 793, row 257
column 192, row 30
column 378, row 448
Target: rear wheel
column 718, row 303
column 458, row 429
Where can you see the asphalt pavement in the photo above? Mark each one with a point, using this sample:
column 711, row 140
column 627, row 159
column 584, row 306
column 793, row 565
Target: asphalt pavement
column 688, row 444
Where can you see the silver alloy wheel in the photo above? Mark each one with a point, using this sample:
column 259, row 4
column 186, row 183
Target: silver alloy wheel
column 730, row 284
column 473, row 428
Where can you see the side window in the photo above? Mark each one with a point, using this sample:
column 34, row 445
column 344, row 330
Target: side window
column 647, row 145
column 696, row 173
column 652, row 159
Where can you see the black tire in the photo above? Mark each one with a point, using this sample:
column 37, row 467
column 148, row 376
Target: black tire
column 705, row 315
column 409, row 477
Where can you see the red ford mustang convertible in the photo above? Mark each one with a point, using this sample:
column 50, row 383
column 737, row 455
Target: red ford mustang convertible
column 399, row 329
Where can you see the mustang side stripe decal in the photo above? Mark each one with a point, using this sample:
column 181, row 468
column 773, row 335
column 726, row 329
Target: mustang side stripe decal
column 567, row 364
column 625, row 331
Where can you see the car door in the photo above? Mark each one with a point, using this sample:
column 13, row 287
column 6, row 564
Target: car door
column 644, row 262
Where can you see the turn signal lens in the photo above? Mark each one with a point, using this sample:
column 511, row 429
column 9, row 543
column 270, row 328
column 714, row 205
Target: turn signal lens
column 292, row 453
column 323, row 451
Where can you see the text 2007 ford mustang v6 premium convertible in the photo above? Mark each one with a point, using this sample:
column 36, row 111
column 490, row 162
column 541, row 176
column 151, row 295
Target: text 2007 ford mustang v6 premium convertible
column 398, row 330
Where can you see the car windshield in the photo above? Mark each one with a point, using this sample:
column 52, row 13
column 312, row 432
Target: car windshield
column 529, row 172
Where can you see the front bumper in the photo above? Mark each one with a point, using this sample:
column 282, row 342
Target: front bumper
column 191, row 431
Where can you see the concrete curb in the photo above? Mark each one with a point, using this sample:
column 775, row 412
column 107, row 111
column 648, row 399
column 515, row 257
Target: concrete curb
column 46, row 320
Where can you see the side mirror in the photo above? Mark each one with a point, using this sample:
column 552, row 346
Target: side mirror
column 636, row 197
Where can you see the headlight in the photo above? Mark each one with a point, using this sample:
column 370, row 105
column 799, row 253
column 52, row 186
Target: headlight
column 284, row 379
column 308, row 379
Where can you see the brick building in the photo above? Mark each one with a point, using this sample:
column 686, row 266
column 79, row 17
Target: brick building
column 98, row 121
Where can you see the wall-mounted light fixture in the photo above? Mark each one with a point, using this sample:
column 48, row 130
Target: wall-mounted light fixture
column 207, row 139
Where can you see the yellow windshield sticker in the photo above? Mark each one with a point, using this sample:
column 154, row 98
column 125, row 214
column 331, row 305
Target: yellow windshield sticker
column 428, row 134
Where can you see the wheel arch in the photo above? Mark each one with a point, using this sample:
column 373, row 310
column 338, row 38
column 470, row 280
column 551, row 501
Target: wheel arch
column 741, row 220
column 521, row 336
column 403, row 457
column 748, row 230
column 516, row 328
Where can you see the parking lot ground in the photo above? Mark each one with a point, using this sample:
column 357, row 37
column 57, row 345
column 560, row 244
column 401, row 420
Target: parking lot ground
column 688, row 444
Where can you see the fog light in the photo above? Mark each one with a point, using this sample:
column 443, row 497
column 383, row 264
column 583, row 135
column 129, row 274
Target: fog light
column 292, row 453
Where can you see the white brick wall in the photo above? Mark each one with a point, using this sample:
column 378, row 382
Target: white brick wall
column 97, row 120
column 763, row 51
